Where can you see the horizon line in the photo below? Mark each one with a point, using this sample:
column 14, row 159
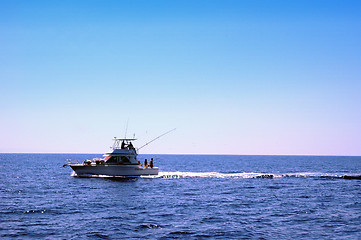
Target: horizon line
column 204, row 154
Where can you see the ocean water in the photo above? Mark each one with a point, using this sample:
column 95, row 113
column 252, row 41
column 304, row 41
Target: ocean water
column 194, row 197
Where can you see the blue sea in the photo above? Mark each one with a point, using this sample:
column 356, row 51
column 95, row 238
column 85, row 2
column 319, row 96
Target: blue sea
column 194, row 197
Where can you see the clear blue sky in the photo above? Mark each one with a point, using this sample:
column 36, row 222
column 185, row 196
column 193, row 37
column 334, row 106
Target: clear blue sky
column 234, row 77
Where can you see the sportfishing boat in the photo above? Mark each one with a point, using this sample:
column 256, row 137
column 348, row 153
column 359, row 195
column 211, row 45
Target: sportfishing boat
column 120, row 162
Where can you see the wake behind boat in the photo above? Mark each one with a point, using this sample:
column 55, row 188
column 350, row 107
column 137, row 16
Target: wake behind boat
column 121, row 162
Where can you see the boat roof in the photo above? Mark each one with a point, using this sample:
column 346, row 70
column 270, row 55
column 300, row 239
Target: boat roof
column 125, row 139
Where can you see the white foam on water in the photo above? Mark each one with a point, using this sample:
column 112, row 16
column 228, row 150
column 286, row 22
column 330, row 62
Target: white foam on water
column 210, row 175
column 303, row 174
column 239, row 175
column 242, row 175
column 312, row 174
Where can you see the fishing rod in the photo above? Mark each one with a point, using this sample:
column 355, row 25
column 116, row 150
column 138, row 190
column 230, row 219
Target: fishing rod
column 156, row 138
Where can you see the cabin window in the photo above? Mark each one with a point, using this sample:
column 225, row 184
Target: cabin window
column 112, row 160
column 125, row 159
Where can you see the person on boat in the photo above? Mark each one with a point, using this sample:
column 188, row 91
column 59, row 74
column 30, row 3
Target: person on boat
column 123, row 145
column 151, row 163
column 130, row 146
column 146, row 163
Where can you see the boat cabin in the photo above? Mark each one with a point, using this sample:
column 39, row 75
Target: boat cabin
column 123, row 152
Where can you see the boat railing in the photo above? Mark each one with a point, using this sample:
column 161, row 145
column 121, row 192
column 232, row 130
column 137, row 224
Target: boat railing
column 72, row 161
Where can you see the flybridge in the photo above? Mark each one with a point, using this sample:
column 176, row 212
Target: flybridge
column 119, row 143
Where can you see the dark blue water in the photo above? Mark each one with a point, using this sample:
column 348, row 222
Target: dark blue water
column 195, row 197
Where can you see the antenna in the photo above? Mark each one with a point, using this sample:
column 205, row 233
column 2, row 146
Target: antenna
column 156, row 138
column 126, row 129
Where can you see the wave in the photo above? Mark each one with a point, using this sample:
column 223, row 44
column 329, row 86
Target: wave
column 233, row 175
column 247, row 175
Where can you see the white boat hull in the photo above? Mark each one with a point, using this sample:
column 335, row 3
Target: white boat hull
column 113, row 170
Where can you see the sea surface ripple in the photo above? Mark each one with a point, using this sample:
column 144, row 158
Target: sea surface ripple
column 194, row 197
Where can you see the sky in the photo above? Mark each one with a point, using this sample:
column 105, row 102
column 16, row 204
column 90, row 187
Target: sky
column 234, row 77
